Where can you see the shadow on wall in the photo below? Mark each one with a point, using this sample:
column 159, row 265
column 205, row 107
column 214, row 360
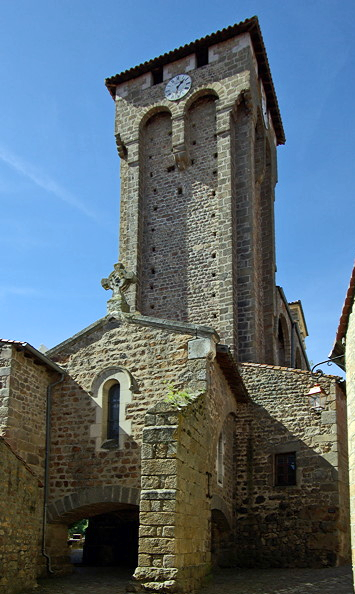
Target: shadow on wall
column 301, row 518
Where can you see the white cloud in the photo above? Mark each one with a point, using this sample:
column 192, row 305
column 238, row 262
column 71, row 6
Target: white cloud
column 43, row 181
column 6, row 291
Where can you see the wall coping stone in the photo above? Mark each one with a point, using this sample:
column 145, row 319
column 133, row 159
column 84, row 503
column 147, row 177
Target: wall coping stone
column 315, row 378
column 112, row 321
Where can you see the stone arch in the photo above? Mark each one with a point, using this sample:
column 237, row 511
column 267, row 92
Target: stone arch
column 221, row 535
column 153, row 111
column 110, row 371
column 207, row 91
column 218, row 504
column 228, row 412
column 92, row 501
column 224, row 459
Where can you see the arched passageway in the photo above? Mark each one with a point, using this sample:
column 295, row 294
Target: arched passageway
column 111, row 536
column 221, row 540
column 111, row 539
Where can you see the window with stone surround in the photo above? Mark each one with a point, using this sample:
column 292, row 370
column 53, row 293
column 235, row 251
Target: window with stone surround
column 111, row 391
column 285, row 469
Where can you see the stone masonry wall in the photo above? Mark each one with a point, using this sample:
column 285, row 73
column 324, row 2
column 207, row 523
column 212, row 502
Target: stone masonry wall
column 153, row 356
column 23, row 406
column 180, row 485
column 179, row 270
column 304, row 524
column 174, row 539
column 21, row 509
column 178, row 231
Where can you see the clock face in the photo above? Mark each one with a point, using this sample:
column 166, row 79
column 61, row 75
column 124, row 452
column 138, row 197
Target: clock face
column 177, row 87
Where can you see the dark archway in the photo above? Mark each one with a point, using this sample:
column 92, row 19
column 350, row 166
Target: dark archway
column 221, row 540
column 111, row 539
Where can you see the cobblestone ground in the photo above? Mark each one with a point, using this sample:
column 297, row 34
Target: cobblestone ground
column 94, row 580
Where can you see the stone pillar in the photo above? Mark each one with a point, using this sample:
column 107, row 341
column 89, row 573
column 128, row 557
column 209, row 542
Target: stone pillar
column 174, row 537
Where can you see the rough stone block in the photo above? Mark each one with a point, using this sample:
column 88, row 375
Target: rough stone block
column 201, row 348
column 328, row 417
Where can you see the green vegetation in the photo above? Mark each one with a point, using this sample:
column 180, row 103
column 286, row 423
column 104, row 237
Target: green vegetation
column 78, row 527
column 180, row 398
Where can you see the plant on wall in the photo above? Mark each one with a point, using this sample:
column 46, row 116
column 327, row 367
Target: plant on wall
column 180, row 398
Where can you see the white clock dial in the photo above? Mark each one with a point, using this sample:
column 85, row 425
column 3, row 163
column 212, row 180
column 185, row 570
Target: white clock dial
column 177, row 87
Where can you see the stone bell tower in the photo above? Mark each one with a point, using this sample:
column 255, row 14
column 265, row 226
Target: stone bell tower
column 197, row 130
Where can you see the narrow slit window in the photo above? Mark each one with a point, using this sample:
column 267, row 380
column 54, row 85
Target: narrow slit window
column 113, row 412
column 220, row 459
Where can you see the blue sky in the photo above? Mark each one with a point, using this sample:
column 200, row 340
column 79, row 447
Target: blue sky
column 59, row 170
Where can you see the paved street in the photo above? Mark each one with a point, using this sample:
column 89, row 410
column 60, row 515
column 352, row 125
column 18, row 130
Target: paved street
column 103, row 580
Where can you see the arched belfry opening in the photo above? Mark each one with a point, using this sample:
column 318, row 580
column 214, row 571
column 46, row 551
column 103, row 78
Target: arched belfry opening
column 283, row 343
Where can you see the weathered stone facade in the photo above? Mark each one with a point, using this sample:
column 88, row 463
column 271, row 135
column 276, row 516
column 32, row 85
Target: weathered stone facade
column 173, row 418
column 197, row 230
column 280, row 420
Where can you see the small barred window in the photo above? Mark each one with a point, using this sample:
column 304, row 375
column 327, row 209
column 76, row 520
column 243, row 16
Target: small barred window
column 285, row 469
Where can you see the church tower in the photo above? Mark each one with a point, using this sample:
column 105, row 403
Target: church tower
column 197, row 130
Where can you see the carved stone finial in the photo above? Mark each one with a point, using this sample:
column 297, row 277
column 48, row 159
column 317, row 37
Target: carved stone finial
column 118, row 281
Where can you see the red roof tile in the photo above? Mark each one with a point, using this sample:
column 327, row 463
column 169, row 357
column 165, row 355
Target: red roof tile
column 250, row 26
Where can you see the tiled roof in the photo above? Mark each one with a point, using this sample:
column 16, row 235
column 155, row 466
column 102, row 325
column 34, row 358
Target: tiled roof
column 32, row 352
column 347, row 307
column 250, row 26
column 338, row 351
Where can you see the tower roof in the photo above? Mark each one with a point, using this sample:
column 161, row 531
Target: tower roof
column 250, row 26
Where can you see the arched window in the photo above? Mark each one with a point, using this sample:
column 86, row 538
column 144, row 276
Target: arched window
column 281, row 345
column 113, row 412
column 111, row 392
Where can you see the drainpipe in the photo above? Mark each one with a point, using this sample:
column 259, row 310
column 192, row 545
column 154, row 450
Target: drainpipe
column 46, row 468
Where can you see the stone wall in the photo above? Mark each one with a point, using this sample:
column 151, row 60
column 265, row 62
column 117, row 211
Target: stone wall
column 179, row 484
column 174, row 544
column 197, row 197
column 153, row 357
column 23, row 401
column 21, row 509
column 306, row 523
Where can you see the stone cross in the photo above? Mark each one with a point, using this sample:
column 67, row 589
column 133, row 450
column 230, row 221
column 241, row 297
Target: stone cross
column 118, row 281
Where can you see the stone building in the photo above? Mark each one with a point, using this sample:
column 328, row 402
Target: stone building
column 180, row 423
column 343, row 353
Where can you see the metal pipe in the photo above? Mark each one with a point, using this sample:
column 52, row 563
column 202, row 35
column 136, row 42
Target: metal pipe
column 46, row 467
